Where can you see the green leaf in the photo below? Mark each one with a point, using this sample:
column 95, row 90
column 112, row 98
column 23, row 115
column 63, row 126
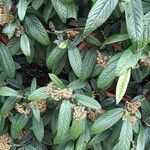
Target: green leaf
column 83, row 140
column 99, row 13
column 57, row 81
column 77, row 128
column 141, row 140
column 104, row 80
column 106, row 120
column 22, row 7
column 127, row 60
column 38, row 129
column 9, row 104
column 77, row 84
column 99, row 137
column 25, row 45
column 36, row 4
column 126, row 133
column 115, row 38
column 65, row 11
column 123, row 145
column 64, row 120
column 33, row 85
column 55, row 56
column 7, row 61
column 88, row 64
column 75, row 60
column 40, row 93
column 6, row 91
column 137, row 75
column 87, row 101
column 122, row 85
column 36, row 113
column 134, row 20
column 92, row 40
column 18, row 124
column 36, row 29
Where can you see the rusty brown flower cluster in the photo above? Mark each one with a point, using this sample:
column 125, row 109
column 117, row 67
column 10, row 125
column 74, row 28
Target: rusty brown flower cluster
column 41, row 104
column 57, row 93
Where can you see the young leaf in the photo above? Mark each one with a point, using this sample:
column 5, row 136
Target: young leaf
column 141, row 140
column 25, row 45
column 87, row 101
column 106, row 120
column 128, row 59
column 75, row 60
column 122, row 85
column 40, row 93
column 104, row 80
column 6, row 91
column 55, row 56
column 57, row 81
column 88, row 64
column 6, row 61
column 18, row 124
column 99, row 13
column 36, row 29
column 64, row 120
column 134, row 20
column 38, row 129
column 22, row 7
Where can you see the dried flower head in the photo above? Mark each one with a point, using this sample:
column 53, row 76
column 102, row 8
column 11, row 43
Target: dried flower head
column 71, row 34
column 144, row 63
column 132, row 107
column 22, row 134
column 7, row 114
column 79, row 113
column 57, row 93
column 22, row 110
column 102, row 60
column 19, row 31
column 5, row 142
column 92, row 115
column 41, row 104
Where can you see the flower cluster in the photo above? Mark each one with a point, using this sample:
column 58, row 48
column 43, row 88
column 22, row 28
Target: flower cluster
column 19, row 31
column 57, row 93
column 22, row 110
column 92, row 115
column 79, row 113
column 5, row 142
column 144, row 63
column 41, row 104
column 71, row 34
column 102, row 60
column 131, row 108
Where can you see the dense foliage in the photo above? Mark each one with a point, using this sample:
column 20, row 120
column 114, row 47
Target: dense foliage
column 74, row 74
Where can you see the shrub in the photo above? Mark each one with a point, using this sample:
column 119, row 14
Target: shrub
column 74, row 75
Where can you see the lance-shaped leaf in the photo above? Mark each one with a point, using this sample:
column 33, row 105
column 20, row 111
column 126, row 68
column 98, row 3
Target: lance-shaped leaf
column 134, row 19
column 99, row 13
column 87, row 101
column 122, row 85
column 106, row 120
column 6, row 61
column 25, row 45
column 6, row 91
column 63, row 123
column 22, row 7
column 141, row 140
column 75, row 60
column 36, row 29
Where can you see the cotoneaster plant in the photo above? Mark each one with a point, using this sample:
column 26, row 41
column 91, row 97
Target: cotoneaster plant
column 74, row 75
